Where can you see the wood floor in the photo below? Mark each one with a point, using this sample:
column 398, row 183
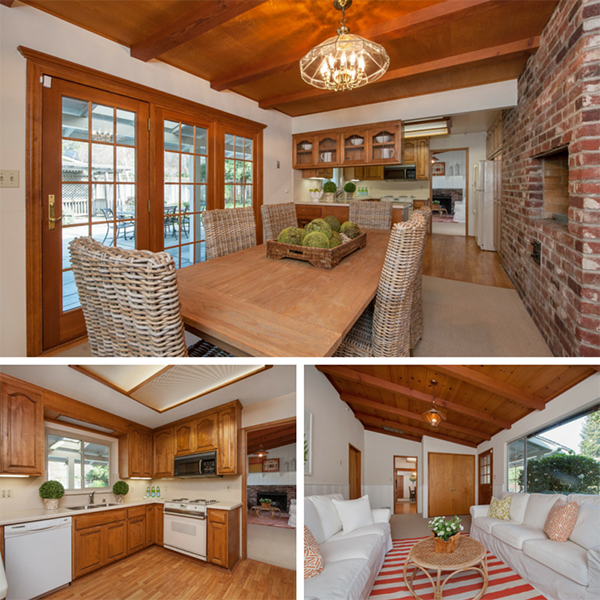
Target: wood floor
column 158, row 574
column 405, row 508
column 459, row 258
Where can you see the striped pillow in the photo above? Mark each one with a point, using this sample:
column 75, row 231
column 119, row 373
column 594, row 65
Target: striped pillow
column 561, row 520
column 500, row 509
column 313, row 560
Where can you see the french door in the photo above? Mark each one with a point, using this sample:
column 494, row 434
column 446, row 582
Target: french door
column 486, row 477
column 95, row 182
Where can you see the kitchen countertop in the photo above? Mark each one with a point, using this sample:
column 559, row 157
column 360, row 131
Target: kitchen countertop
column 311, row 203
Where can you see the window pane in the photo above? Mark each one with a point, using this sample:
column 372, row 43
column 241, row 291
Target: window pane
column 172, row 167
column 64, row 460
column 75, row 122
column 187, row 168
column 103, row 123
column 102, row 162
column 200, row 169
column 200, row 140
column 171, row 136
column 75, row 161
column 248, row 172
column 229, row 169
column 97, row 460
column 239, row 172
column 187, row 138
column 125, row 164
column 229, row 140
column 516, row 453
column 229, row 196
column 239, row 148
column 70, row 297
column 248, row 148
column 125, row 127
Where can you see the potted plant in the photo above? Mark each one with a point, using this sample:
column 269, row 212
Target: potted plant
column 51, row 492
column 446, row 534
column 120, row 490
column 350, row 188
column 330, row 189
column 265, row 502
column 316, row 194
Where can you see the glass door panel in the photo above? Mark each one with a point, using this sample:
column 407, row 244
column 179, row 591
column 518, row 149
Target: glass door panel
column 327, row 150
column 239, row 168
column 384, row 145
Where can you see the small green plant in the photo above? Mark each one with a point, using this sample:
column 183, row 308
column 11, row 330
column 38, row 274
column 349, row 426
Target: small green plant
column 265, row 500
column 316, row 190
column 329, row 187
column 121, row 488
column 436, row 202
column 52, row 489
column 445, row 528
column 350, row 187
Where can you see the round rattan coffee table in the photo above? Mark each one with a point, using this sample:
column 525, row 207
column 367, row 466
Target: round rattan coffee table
column 469, row 556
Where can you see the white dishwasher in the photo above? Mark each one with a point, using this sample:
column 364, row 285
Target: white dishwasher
column 37, row 557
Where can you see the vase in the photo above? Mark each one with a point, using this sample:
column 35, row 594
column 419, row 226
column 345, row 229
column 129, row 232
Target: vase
column 120, row 498
column 349, row 195
column 329, row 197
column 265, row 505
column 50, row 503
column 442, row 547
column 316, row 196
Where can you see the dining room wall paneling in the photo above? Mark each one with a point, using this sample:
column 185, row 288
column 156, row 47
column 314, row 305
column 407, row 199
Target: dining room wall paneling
column 22, row 25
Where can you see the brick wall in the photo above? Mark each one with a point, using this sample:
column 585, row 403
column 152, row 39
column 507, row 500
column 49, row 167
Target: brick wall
column 455, row 194
column 254, row 491
column 559, row 104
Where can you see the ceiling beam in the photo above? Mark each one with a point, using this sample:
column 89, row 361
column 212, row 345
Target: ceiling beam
column 528, row 45
column 257, row 436
column 358, row 401
column 398, row 435
column 276, row 443
column 206, row 15
column 493, row 385
column 417, row 431
column 409, row 24
column 396, row 388
column 7, row 3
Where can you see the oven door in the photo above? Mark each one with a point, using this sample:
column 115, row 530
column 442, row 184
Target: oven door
column 186, row 534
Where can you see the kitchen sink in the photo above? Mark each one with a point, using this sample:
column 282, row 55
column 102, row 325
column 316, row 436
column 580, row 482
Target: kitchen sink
column 92, row 506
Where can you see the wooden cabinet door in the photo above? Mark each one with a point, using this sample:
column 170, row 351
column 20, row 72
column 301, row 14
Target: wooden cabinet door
column 134, row 456
column 150, row 524
column 354, row 146
column 163, row 453
column 328, row 149
column 463, row 483
column 22, row 429
column 136, row 534
column 160, row 525
column 217, row 541
column 184, row 439
column 115, row 541
column 423, row 160
column 227, row 453
column 205, row 433
column 147, row 454
column 410, row 152
column 87, row 551
column 385, row 144
column 304, row 152
column 374, row 173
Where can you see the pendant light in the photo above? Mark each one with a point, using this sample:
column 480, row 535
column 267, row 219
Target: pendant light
column 433, row 416
column 262, row 453
column 346, row 61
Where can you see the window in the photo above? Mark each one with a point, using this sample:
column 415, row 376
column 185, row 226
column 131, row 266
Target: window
column 78, row 462
column 238, row 171
column 561, row 459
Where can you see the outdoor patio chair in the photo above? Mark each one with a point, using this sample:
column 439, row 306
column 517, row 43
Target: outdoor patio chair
column 416, row 321
column 130, row 302
column 228, row 230
column 170, row 220
column 276, row 217
column 371, row 215
column 384, row 327
column 122, row 226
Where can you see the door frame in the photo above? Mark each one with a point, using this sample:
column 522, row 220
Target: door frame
column 40, row 64
column 358, row 453
column 411, row 470
column 478, row 480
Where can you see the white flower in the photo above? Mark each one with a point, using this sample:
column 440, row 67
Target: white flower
column 462, row 528
column 447, row 528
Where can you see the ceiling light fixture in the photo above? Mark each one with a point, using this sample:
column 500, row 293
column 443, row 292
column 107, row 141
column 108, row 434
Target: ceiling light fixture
column 262, row 453
column 346, row 61
column 433, row 416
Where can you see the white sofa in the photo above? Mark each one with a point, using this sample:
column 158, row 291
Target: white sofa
column 353, row 560
column 560, row 570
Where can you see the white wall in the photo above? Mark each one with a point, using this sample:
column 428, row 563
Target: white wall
column 274, row 409
column 32, row 28
column 334, row 427
column 285, row 454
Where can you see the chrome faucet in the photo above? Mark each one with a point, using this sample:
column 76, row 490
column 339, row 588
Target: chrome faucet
column 91, row 496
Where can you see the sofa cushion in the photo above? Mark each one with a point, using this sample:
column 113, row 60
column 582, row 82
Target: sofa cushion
column 486, row 523
column 312, row 521
column 380, row 529
column 354, row 513
column 584, row 499
column 343, row 580
column 328, row 515
column 561, row 520
column 538, row 507
column 516, row 535
column 566, row 558
column 313, row 560
column 518, row 505
column 585, row 532
column 500, row 509
column 363, row 546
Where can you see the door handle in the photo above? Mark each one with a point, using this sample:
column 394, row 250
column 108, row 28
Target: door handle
column 52, row 220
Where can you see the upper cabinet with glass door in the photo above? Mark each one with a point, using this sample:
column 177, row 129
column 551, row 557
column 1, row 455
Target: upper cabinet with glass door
column 385, row 144
column 354, row 147
column 305, row 151
column 328, row 149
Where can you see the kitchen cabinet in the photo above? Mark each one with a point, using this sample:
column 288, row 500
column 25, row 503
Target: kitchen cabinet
column 328, row 148
column 369, row 173
column 135, row 453
column 147, row 454
column 159, row 524
column 385, row 144
column 305, row 151
column 163, row 453
column 354, row 144
column 21, row 428
column 115, row 535
column 151, row 524
column 205, row 433
column 423, row 160
column 410, row 152
column 326, row 173
column 184, row 441
column 228, row 452
column 136, row 529
column 223, row 543
column 307, row 212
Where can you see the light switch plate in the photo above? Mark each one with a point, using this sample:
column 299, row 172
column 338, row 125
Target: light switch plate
column 9, row 179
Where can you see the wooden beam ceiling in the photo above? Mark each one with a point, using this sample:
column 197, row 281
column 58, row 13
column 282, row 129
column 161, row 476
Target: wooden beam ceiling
column 392, row 433
column 204, row 17
column 7, row 3
column 528, row 45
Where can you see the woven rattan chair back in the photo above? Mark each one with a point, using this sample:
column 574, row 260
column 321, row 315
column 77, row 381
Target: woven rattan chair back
column 393, row 303
column 129, row 299
column 276, row 217
column 371, row 215
column 416, row 321
column 229, row 230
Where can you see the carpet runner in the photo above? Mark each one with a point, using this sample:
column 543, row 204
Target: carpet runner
column 503, row 582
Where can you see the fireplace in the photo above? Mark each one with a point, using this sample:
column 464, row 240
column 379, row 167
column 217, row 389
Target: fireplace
column 283, row 494
column 445, row 202
column 277, row 500
column 447, row 198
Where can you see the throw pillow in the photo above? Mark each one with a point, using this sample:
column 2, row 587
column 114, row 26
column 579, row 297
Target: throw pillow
column 500, row 509
column 354, row 513
column 313, row 559
column 561, row 520
column 328, row 515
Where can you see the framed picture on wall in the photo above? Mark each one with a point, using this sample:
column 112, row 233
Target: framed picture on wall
column 270, row 465
column 308, row 423
column 438, row 169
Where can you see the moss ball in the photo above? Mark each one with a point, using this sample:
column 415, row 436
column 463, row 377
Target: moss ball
column 316, row 239
column 291, row 235
column 319, row 225
column 350, row 229
column 336, row 239
column 333, row 222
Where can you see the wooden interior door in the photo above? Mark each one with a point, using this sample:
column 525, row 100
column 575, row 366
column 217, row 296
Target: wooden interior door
column 463, row 483
column 354, row 472
column 486, row 476
column 451, row 483
column 399, row 487
column 95, row 153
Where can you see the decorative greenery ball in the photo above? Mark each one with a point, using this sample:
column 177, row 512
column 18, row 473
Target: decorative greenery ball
column 316, row 239
column 352, row 230
column 52, row 489
column 350, row 187
column 336, row 239
column 333, row 222
column 291, row 235
column 121, row 488
column 319, row 225
column 329, row 187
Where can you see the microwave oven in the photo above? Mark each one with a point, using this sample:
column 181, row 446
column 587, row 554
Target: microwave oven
column 196, row 465
column 399, row 172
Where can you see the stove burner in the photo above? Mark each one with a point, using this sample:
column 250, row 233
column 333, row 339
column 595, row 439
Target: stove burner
column 178, row 500
column 202, row 501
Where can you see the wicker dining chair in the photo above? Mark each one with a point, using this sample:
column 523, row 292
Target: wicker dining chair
column 228, row 230
column 384, row 327
column 276, row 217
column 371, row 215
column 416, row 321
column 130, row 302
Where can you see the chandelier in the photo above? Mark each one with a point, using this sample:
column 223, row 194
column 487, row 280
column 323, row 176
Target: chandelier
column 433, row 416
column 346, row 61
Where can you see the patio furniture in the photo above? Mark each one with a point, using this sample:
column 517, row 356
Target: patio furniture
column 371, row 215
column 384, row 328
column 122, row 226
column 416, row 321
column 170, row 220
column 130, row 302
column 276, row 217
column 254, row 306
column 228, row 230
column 184, row 222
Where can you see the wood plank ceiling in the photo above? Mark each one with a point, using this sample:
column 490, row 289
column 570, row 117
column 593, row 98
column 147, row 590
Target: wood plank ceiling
column 478, row 401
column 273, row 437
column 253, row 47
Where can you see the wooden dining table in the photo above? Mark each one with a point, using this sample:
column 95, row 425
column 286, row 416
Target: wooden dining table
column 252, row 305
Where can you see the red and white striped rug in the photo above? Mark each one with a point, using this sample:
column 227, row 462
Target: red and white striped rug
column 503, row 582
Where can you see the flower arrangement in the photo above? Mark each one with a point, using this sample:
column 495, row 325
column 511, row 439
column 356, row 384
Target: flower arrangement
column 445, row 528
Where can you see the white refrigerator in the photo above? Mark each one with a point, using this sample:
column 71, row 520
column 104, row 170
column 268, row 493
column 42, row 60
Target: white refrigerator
column 484, row 230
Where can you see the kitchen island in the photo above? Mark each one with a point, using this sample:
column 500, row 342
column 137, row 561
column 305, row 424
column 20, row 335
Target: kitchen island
column 307, row 211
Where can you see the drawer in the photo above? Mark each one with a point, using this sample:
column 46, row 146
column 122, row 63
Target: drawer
column 99, row 518
column 217, row 516
column 136, row 511
column 313, row 212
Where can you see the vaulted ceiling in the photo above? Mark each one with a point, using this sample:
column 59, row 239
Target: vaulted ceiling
column 253, row 47
column 272, row 437
column 479, row 401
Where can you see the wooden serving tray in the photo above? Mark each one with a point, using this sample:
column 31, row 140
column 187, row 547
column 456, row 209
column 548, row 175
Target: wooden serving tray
column 324, row 258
